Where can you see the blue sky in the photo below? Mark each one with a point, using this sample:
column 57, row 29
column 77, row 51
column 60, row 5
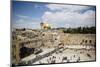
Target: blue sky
column 31, row 14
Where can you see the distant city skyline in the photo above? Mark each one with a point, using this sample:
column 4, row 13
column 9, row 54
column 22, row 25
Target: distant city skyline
column 31, row 14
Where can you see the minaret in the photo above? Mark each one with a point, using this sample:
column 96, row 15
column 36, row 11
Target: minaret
column 41, row 24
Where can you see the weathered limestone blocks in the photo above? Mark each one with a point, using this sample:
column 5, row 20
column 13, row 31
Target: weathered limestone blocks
column 84, row 39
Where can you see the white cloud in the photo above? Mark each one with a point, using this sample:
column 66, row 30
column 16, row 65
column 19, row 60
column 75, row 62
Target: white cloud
column 25, row 22
column 20, row 21
column 26, row 17
column 67, row 7
column 68, row 16
column 22, row 16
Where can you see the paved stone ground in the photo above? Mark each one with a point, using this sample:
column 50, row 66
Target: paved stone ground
column 64, row 55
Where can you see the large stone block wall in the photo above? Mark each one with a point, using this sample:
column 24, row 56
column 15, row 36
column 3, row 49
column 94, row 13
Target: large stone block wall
column 84, row 39
column 51, row 38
